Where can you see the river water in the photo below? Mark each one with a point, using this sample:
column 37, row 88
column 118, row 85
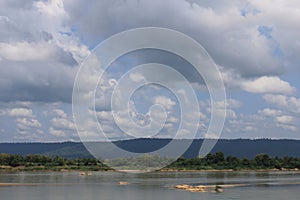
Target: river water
column 151, row 186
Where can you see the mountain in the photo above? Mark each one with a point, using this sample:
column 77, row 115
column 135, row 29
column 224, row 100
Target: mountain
column 238, row 147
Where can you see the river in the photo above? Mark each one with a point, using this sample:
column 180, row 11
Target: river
column 149, row 186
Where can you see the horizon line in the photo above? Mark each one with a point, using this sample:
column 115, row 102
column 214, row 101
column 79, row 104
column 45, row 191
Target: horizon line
column 123, row 140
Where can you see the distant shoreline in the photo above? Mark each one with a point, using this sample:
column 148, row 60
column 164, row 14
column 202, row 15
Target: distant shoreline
column 239, row 148
column 232, row 170
column 43, row 169
column 211, row 163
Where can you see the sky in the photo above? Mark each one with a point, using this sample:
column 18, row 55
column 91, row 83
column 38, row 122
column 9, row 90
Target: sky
column 255, row 45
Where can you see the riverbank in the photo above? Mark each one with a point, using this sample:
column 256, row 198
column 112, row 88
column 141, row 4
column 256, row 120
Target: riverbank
column 95, row 169
column 212, row 162
column 52, row 169
column 220, row 188
column 231, row 170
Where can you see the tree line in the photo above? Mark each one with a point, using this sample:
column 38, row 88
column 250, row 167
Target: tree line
column 36, row 162
column 215, row 161
column 219, row 162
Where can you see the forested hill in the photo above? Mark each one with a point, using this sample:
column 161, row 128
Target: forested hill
column 239, row 148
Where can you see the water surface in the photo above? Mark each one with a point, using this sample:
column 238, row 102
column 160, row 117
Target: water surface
column 151, row 186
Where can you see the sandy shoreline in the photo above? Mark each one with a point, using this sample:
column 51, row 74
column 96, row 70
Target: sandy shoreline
column 220, row 188
column 185, row 187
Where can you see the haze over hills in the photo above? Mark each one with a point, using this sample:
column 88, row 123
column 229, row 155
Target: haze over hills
column 238, row 147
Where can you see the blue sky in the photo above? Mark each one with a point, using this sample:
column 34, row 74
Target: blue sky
column 254, row 43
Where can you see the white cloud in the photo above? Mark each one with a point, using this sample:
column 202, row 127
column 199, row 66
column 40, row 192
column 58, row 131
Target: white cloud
column 291, row 104
column 268, row 85
column 211, row 136
column 59, row 112
column 222, row 108
column 285, row 119
column 58, row 133
column 279, row 118
column 166, row 102
column 230, row 114
column 267, row 123
column 104, row 115
column 250, row 128
column 61, row 123
column 136, row 77
column 24, row 51
column 173, row 119
column 20, row 112
column 28, row 123
column 270, row 112
column 287, row 127
column 233, row 103
column 52, row 8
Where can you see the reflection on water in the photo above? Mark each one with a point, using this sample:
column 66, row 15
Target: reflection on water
column 104, row 185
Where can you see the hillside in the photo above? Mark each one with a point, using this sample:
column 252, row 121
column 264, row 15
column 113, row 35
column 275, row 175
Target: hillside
column 239, row 148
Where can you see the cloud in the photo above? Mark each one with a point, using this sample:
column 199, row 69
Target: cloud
column 39, row 54
column 53, row 8
column 285, row 119
column 230, row 106
column 270, row 112
column 42, row 44
column 58, row 133
column 287, row 127
column 59, row 37
column 268, row 85
column 60, row 113
column 136, row 77
column 165, row 102
column 26, row 123
column 61, row 123
column 285, row 29
column 291, row 104
column 59, row 33
column 261, row 126
column 280, row 118
column 36, row 81
column 233, row 103
column 24, row 51
column 250, row 128
column 240, row 46
column 28, row 129
column 20, row 112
